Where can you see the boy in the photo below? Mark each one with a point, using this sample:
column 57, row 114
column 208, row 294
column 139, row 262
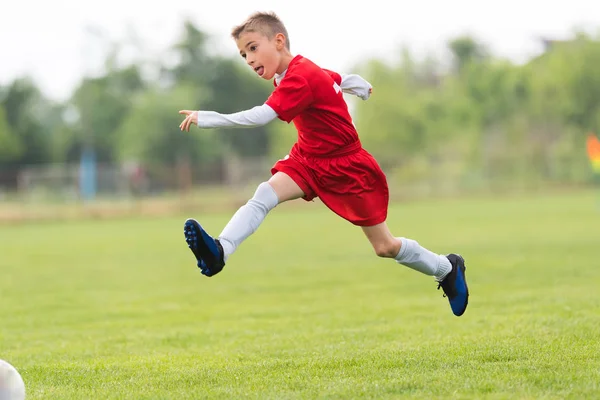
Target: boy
column 327, row 161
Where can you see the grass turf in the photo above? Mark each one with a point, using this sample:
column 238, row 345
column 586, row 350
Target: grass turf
column 118, row 310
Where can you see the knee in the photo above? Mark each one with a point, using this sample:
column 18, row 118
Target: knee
column 264, row 198
column 387, row 249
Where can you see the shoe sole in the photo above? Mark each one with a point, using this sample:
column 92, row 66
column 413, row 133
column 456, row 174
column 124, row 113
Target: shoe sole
column 463, row 268
column 197, row 240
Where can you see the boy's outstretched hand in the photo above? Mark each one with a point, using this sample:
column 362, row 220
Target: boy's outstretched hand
column 191, row 117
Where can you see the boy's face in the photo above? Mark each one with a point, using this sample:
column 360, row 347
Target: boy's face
column 262, row 54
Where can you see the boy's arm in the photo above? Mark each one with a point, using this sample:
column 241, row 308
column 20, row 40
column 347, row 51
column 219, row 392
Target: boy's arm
column 257, row 116
column 356, row 85
column 352, row 84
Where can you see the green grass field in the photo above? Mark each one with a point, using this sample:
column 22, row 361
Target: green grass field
column 118, row 310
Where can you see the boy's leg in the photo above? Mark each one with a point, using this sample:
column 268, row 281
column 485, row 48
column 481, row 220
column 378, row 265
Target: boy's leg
column 406, row 252
column 449, row 270
column 280, row 188
column 211, row 253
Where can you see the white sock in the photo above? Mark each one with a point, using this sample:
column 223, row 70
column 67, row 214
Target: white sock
column 419, row 258
column 248, row 218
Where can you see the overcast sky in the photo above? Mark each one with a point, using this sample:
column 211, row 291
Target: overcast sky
column 51, row 40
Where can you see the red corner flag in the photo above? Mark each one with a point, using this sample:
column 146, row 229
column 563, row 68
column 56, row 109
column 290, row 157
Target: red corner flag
column 593, row 149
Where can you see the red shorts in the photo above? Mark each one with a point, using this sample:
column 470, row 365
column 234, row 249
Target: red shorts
column 351, row 184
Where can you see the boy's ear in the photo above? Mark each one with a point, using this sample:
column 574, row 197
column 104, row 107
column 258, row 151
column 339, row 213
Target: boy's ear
column 280, row 41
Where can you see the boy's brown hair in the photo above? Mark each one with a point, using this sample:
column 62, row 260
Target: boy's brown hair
column 267, row 23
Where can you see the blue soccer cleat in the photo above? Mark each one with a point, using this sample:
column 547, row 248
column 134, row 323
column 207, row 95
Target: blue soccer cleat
column 208, row 251
column 455, row 285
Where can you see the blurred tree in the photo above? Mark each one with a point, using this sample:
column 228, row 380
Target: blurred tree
column 466, row 50
column 564, row 83
column 483, row 119
column 220, row 84
column 99, row 105
column 236, row 89
column 491, row 118
column 26, row 134
column 151, row 134
column 194, row 65
column 11, row 147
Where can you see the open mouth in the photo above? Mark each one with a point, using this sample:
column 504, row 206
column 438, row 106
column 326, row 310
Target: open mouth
column 259, row 70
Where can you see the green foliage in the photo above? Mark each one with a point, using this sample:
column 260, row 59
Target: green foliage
column 151, row 134
column 195, row 66
column 11, row 146
column 466, row 51
column 476, row 121
column 235, row 89
column 101, row 105
column 487, row 121
column 23, row 131
column 282, row 138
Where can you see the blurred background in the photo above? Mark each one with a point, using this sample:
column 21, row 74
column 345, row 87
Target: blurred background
column 469, row 97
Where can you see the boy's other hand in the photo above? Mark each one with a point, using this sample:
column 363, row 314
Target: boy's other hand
column 191, row 117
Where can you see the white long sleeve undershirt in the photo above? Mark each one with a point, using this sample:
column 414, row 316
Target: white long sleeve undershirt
column 356, row 85
column 256, row 116
column 262, row 115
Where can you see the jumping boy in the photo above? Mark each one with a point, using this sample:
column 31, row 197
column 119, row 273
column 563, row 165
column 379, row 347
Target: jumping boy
column 327, row 161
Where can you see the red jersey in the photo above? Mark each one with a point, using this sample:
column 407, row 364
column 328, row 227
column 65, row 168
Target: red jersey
column 311, row 97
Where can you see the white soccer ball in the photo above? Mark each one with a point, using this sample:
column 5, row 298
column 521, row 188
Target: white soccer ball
column 12, row 386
